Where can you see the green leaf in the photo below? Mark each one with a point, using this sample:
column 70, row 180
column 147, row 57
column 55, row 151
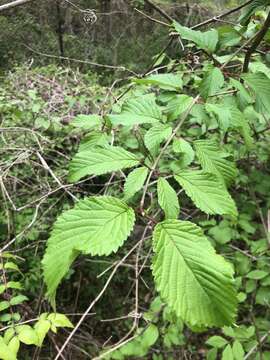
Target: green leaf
column 18, row 300
column 87, row 122
column 217, row 341
column 222, row 113
column 98, row 161
column 167, row 199
column 260, row 85
column 60, row 320
column 4, row 305
column 212, row 82
column 212, row 160
column 238, row 351
column 92, row 140
column 185, row 149
column 14, row 345
column 239, row 122
column 257, row 274
column 139, row 110
column 204, row 40
column 5, row 351
column 164, row 81
column 227, row 353
column 41, row 328
column 27, row 335
column 14, row 285
column 251, row 9
column 134, row 182
column 178, row 105
column 149, row 336
column 155, row 136
column 96, row 226
column 194, row 281
column 207, row 192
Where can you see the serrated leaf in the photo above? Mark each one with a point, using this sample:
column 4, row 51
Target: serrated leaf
column 211, row 83
column 260, row 86
column 222, row 113
column 207, row 192
column 167, row 199
column 155, row 136
column 184, row 148
column 164, row 81
column 195, row 282
column 96, row 226
column 139, row 110
column 239, row 122
column 98, row 161
column 178, row 105
column 134, row 182
column 92, row 140
column 87, row 122
column 204, row 40
column 212, row 160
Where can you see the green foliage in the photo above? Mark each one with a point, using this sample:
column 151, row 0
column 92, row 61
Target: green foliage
column 195, row 282
column 167, row 199
column 86, row 229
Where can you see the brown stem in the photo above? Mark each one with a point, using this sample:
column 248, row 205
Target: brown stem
column 258, row 39
column 159, row 10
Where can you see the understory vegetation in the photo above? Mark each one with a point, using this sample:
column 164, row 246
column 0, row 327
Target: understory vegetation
column 135, row 181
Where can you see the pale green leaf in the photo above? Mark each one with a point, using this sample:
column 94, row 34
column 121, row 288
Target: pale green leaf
column 134, row 182
column 212, row 160
column 96, row 226
column 194, row 281
column 204, row 40
column 18, row 300
column 238, row 351
column 87, row 122
column 211, row 83
column 60, row 320
column 239, row 122
column 139, row 110
column 14, row 345
column 207, row 192
column 155, row 136
column 167, row 199
column 5, row 351
column 27, row 335
column 257, row 274
column 98, row 161
column 164, row 81
column 260, row 86
column 227, row 353
column 92, row 140
column 41, row 328
column 217, row 341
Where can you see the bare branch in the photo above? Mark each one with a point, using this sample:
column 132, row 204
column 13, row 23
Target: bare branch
column 13, row 4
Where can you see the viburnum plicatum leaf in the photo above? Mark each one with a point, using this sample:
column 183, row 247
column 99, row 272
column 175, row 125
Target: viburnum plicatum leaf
column 167, row 199
column 98, row 161
column 260, row 85
column 177, row 106
column 135, row 181
column 164, row 81
column 212, row 81
column 212, row 160
column 186, row 152
column 191, row 278
column 156, row 135
column 222, row 114
column 207, row 192
column 96, row 226
column 205, row 40
column 139, row 110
